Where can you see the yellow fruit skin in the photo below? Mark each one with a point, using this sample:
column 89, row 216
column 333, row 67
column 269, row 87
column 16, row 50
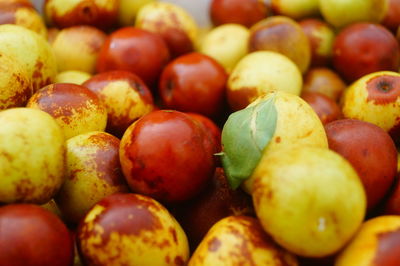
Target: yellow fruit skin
column 310, row 200
column 128, row 10
column 93, row 172
column 149, row 235
column 364, row 248
column 296, row 8
column 260, row 72
column 32, row 156
column 227, row 44
column 239, row 240
column 72, row 76
column 297, row 124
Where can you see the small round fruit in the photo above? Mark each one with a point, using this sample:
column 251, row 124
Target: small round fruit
column 75, row 108
column 392, row 17
column 370, row 150
column 124, row 95
column 131, row 229
column 240, row 240
column 194, row 83
column 128, row 10
column 86, row 42
column 31, row 235
column 258, row 73
column 310, row 200
column 72, row 76
column 376, row 243
column 177, row 27
column 391, row 205
column 167, row 155
column 142, row 52
column 32, row 156
column 326, row 108
column 93, row 171
column 227, row 44
column 296, row 9
column 364, row 48
column 283, row 35
column 244, row 12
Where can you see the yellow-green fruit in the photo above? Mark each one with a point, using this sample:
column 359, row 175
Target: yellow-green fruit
column 128, row 10
column 77, row 48
column 227, row 44
column 376, row 243
column 296, row 8
column 15, row 83
column 260, row 72
column 31, row 51
column 310, row 200
column 239, row 240
column 32, row 156
column 297, row 124
column 340, row 13
column 72, row 76
column 131, row 229
column 93, row 172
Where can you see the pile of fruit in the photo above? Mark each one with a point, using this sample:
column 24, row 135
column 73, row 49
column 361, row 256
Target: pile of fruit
column 130, row 135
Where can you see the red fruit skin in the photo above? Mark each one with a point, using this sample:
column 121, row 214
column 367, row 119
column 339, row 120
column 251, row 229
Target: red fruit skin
column 33, row 236
column 244, row 12
column 142, row 52
column 370, row 150
column 392, row 204
column 194, row 83
column 167, row 155
column 326, row 108
column 364, row 48
column 392, row 17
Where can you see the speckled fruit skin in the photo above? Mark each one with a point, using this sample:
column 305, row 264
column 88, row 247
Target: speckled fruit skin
column 142, row 52
column 364, row 48
column 67, row 13
column 244, row 12
column 31, row 235
column 22, row 13
column 370, row 150
column 310, row 200
column 32, row 156
column 31, row 51
column 283, row 35
column 260, row 72
column 72, row 76
column 177, row 27
column 375, row 98
column 75, row 108
column 167, row 155
column 131, row 229
column 86, row 42
column 239, row 240
column 93, row 171
column 125, row 96
column 296, row 9
column 194, row 83
column 376, row 243
column 326, row 108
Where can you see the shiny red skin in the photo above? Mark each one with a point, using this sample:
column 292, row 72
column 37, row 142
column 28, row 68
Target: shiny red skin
column 364, row 48
column 142, row 52
column 245, row 12
column 326, row 108
column 31, row 235
column 194, row 83
column 370, row 150
column 392, row 17
column 167, row 156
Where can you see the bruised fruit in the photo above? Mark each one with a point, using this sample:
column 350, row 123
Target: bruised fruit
column 167, row 155
column 75, row 108
column 131, row 229
column 32, row 156
column 93, row 172
column 326, row 108
column 310, row 200
column 31, row 235
column 240, row 240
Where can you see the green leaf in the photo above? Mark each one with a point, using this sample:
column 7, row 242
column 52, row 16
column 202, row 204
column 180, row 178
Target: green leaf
column 245, row 135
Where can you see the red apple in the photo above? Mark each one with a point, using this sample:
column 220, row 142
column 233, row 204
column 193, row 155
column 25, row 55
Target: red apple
column 139, row 51
column 326, row 108
column 245, row 12
column 392, row 17
column 167, row 155
column 31, row 235
column 364, row 48
column 194, row 83
column 370, row 150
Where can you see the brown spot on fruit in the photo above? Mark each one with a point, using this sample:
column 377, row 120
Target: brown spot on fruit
column 383, row 89
column 278, row 139
column 214, row 244
column 240, row 98
column 179, row 261
column 388, row 248
column 173, row 232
